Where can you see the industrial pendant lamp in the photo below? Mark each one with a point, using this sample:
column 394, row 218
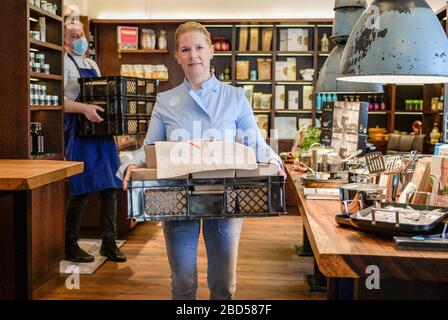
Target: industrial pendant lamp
column 347, row 12
column 396, row 41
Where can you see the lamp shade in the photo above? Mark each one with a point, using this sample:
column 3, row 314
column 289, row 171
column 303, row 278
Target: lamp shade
column 327, row 77
column 396, row 41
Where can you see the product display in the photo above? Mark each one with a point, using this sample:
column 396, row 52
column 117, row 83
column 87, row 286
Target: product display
column 127, row 38
column 242, row 70
column 264, row 69
column 244, row 35
column 253, row 46
column 266, row 39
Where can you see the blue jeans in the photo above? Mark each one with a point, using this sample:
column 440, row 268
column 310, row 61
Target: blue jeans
column 221, row 238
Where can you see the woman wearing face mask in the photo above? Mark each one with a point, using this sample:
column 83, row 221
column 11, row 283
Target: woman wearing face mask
column 99, row 154
column 218, row 107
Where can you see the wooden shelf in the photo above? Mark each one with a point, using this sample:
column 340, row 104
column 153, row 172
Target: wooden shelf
column 46, row 45
column 415, row 113
column 49, row 156
column 253, row 82
column 45, row 13
column 44, row 76
column 282, row 82
column 140, row 51
column 295, row 53
column 262, row 110
column 294, row 111
column 253, row 53
column 222, row 54
column 46, row 108
column 378, row 112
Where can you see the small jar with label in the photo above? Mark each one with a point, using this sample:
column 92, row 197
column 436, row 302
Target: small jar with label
column 32, row 99
column 32, row 56
column 40, row 57
column 46, row 68
column 37, row 3
column 42, row 99
column 54, row 100
column 43, row 89
column 35, row 35
column 31, row 2
column 49, row 7
column 162, row 42
column 36, row 67
column 48, row 100
column 43, row 4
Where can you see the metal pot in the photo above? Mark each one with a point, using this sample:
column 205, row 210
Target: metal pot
column 367, row 193
column 361, row 176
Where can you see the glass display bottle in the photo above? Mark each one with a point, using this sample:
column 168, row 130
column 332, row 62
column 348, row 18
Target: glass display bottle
column 162, row 41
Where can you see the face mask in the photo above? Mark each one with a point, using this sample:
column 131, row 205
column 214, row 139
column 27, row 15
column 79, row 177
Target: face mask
column 80, row 46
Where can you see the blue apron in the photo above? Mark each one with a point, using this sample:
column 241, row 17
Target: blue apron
column 99, row 154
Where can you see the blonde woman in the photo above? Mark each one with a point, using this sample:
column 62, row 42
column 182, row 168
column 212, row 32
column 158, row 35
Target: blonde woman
column 216, row 107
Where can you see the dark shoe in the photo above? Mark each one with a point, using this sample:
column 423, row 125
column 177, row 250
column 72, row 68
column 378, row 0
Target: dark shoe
column 111, row 251
column 75, row 254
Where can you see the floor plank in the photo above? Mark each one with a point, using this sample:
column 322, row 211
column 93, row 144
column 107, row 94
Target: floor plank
column 268, row 266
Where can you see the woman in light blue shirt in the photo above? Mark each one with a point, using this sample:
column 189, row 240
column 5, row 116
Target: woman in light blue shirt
column 202, row 108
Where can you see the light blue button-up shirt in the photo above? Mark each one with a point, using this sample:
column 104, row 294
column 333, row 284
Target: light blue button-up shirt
column 216, row 111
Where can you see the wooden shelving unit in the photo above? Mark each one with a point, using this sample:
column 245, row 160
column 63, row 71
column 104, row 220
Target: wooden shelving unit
column 46, row 207
column 313, row 58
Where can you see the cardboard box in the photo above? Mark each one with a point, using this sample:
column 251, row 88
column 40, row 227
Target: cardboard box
column 264, row 69
column 227, row 173
column 281, row 70
column 264, row 169
column 293, row 99
column 149, row 174
column 253, row 39
column 151, row 159
column 291, row 64
column 279, row 97
column 283, row 40
column 243, row 39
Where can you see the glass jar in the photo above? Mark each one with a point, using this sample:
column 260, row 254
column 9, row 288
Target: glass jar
column 43, row 4
column 55, row 100
column 48, row 100
column 40, row 58
column 46, row 68
column 37, row 3
column 162, row 42
column 36, row 67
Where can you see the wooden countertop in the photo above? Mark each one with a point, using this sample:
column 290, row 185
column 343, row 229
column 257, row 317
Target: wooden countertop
column 343, row 252
column 32, row 174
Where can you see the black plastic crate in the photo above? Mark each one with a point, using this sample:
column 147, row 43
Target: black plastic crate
column 114, row 125
column 117, row 86
column 122, row 105
column 175, row 199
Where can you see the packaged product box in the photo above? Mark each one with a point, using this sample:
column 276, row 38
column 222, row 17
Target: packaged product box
column 279, row 97
column 298, row 39
column 307, row 98
column 243, row 39
column 286, row 127
column 257, row 96
column 264, row 169
column 293, row 99
column 127, row 37
column 264, row 69
column 266, row 101
column 263, row 124
column 248, row 92
column 281, row 71
column 283, row 40
column 266, row 39
column 151, row 159
column 242, row 70
column 253, row 39
column 291, row 73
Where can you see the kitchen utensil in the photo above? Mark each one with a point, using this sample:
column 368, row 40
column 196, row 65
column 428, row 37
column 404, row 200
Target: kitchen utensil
column 392, row 163
column 323, row 180
column 354, row 154
column 307, row 167
column 396, row 227
column 375, row 162
column 368, row 193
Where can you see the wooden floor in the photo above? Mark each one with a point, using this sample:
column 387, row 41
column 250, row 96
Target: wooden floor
column 268, row 266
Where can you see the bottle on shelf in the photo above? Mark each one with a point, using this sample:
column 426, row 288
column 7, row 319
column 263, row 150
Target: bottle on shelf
column 325, row 43
column 318, row 102
column 435, row 133
column 376, row 105
column 441, row 103
column 162, row 41
column 357, row 99
column 40, row 140
column 324, row 99
column 370, row 107
column 382, row 103
column 335, row 97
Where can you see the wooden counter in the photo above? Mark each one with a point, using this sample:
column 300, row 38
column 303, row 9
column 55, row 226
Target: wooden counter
column 343, row 252
column 31, row 223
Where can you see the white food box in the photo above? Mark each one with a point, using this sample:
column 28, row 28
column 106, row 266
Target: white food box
column 281, row 70
column 291, row 64
column 280, row 97
column 307, row 97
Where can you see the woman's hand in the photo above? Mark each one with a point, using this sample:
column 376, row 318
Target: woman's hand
column 127, row 176
column 91, row 113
